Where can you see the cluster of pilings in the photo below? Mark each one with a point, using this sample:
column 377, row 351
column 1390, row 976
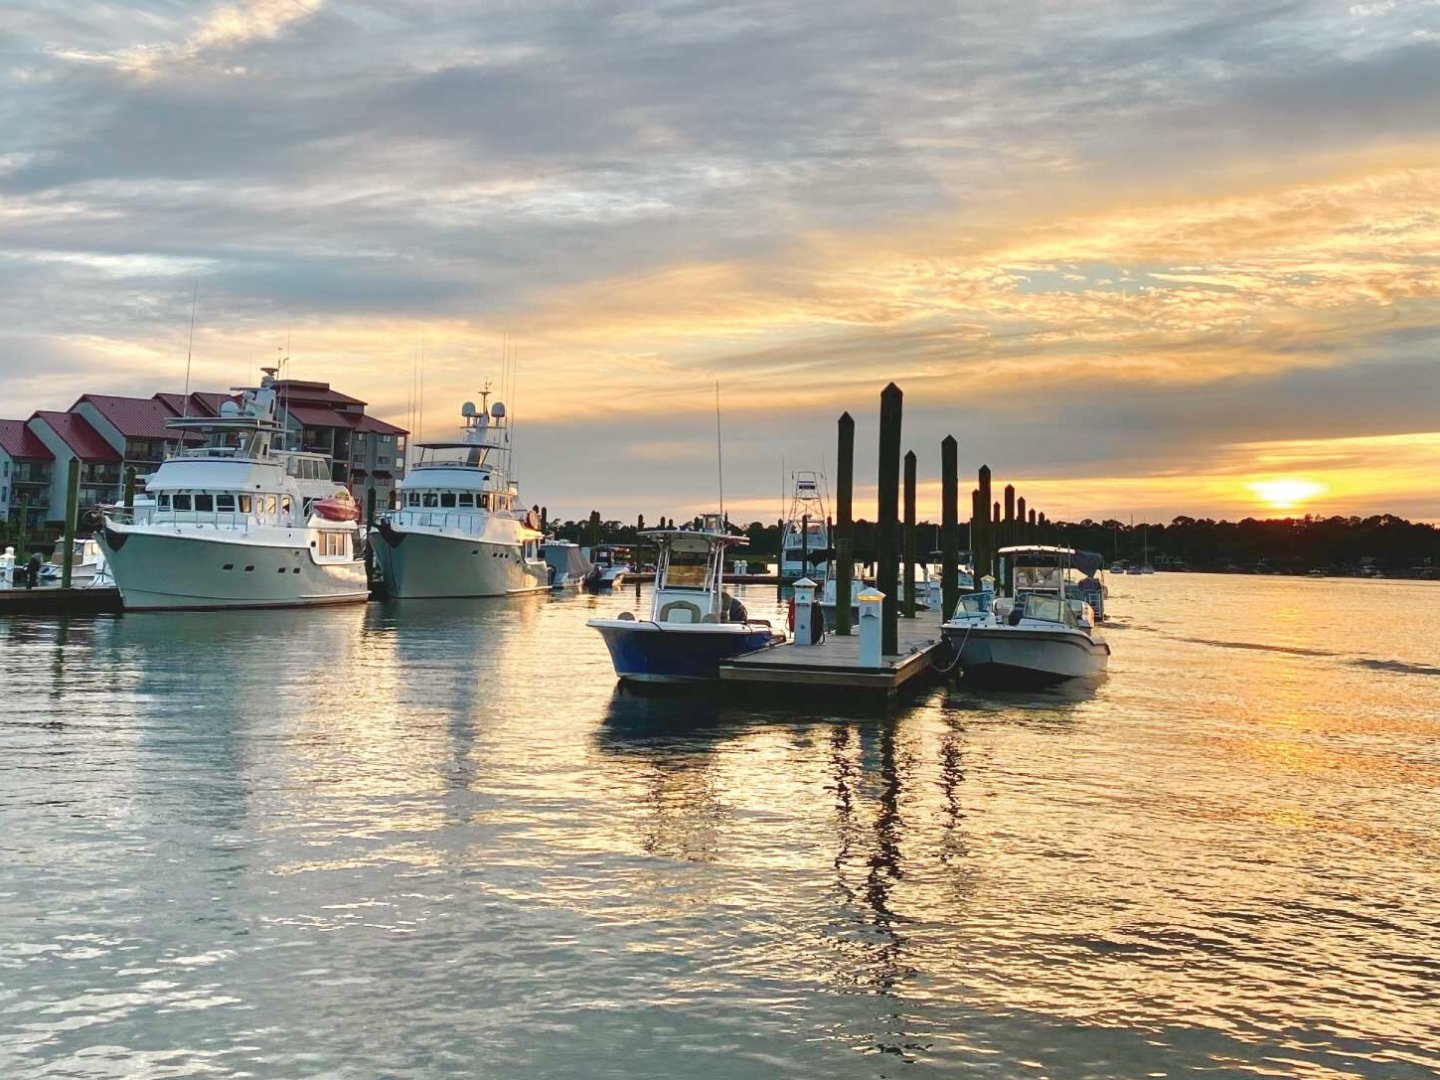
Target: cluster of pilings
column 991, row 526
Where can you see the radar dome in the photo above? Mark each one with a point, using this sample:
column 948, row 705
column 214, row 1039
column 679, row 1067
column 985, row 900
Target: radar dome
column 497, row 410
column 229, row 408
column 468, row 409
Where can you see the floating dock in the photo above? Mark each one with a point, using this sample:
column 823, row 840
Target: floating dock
column 834, row 664
column 56, row 601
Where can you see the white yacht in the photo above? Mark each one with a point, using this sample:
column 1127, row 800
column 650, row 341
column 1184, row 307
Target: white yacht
column 805, row 539
column 458, row 530
column 568, row 565
column 237, row 523
column 1043, row 630
column 87, row 568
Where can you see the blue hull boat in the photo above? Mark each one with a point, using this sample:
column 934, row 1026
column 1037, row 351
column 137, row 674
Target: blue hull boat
column 650, row 652
column 694, row 624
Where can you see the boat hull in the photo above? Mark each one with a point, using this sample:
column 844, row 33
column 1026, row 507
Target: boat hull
column 646, row 652
column 1020, row 655
column 432, row 565
column 165, row 571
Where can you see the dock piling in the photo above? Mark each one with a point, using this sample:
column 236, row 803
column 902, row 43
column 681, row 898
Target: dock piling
column 986, row 564
column 844, row 535
column 72, row 507
column 887, row 555
column 908, row 537
column 129, row 496
column 949, row 524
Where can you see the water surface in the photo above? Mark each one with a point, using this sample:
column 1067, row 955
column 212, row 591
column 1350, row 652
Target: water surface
column 432, row 839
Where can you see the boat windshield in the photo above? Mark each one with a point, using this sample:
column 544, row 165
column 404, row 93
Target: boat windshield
column 1039, row 577
column 1048, row 609
column 687, row 570
column 973, row 604
column 451, row 457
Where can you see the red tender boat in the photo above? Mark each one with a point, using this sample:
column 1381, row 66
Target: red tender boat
column 338, row 507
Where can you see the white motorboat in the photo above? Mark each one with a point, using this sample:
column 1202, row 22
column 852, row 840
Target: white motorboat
column 609, row 563
column 87, row 568
column 1043, row 630
column 239, row 522
column 805, row 541
column 458, row 530
column 694, row 623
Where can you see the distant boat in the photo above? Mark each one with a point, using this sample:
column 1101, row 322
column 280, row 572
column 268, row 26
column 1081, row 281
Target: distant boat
column 694, row 625
column 1041, row 632
column 805, row 541
column 609, row 563
column 568, row 565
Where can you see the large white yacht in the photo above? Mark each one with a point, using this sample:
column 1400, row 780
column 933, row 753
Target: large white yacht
column 458, row 530
column 238, row 522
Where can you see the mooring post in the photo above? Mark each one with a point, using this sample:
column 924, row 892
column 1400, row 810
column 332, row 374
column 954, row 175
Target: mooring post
column 908, row 538
column 949, row 526
column 129, row 496
column 887, row 520
column 844, row 524
column 72, row 507
column 1009, row 534
column 984, row 558
column 1020, row 533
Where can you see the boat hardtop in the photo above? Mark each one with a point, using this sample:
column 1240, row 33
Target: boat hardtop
column 689, row 574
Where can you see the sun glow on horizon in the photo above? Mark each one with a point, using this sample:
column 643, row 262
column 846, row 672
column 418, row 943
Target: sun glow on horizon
column 1286, row 492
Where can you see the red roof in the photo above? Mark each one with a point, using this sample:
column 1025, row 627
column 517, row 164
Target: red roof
column 371, row 423
column 313, row 417
column 202, row 403
column 19, row 441
column 76, row 432
column 136, row 418
column 298, row 391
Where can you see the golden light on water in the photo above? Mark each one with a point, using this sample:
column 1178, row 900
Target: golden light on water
column 1285, row 493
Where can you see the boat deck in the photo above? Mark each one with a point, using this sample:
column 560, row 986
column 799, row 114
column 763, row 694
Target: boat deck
column 834, row 664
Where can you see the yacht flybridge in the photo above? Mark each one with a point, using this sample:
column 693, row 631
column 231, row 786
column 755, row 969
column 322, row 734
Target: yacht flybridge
column 694, row 623
column 1044, row 626
column 238, row 522
column 459, row 529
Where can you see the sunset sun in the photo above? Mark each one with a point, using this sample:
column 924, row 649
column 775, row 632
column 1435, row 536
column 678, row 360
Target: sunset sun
column 1285, row 493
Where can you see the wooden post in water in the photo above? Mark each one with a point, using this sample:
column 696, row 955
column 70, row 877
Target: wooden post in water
column 1022, row 535
column 985, row 555
column 844, row 535
column 1009, row 533
column 977, row 536
column 887, row 518
column 129, row 497
column 72, row 507
column 908, row 538
column 949, row 525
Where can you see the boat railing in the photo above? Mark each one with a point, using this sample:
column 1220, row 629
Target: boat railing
column 228, row 520
column 469, row 522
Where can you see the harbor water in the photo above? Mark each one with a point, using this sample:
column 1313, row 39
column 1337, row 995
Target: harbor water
column 432, row 839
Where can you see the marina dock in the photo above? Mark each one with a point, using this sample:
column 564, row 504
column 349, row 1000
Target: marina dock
column 834, row 664
column 56, row 601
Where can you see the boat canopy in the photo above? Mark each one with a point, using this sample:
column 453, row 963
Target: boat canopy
column 1087, row 562
column 694, row 539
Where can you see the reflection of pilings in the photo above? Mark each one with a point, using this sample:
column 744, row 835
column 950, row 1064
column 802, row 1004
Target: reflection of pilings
column 887, row 519
column 949, row 524
column 844, row 534
column 909, row 534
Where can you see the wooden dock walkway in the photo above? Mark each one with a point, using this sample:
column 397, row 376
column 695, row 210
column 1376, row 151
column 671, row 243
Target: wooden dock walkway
column 52, row 600
column 834, row 664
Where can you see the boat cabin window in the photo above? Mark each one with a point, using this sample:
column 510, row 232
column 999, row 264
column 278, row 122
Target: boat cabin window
column 447, row 500
column 466, row 498
column 182, row 500
column 244, row 503
column 430, row 498
column 269, row 501
column 484, row 500
column 687, row 570
column 331, row 544
column 1038, row 577
column 225, row 502
column 412, row 498
column 972, row 604
column 285, row 504
column 162, row 501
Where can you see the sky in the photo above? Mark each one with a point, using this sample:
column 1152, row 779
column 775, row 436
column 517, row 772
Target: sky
column 1141, row 259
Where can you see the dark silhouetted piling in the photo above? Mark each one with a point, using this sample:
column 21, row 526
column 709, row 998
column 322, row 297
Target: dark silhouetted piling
column 887, row 519
column 985, row 560
column 129, row 496
column 949, row 524
column 844, row 535
column 1022, row 533
column 908, row 537
column 72, row 507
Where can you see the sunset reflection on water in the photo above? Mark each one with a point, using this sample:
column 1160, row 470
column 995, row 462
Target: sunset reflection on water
column 376, row 838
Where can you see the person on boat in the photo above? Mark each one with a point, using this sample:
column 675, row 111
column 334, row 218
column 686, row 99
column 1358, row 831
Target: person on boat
column 32, row 570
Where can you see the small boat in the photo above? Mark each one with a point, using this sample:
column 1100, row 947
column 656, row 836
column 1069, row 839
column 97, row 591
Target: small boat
column 694, row 624
column 609, row 563
column 87, row 567
column 340, row 506
column 1042, row 631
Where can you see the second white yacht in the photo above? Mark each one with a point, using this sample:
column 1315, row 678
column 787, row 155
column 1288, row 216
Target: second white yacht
column 458, row 530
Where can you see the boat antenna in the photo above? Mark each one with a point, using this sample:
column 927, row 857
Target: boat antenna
column 719, row 454
column 190, row 349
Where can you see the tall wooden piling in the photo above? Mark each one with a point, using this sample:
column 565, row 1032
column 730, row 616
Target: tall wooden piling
column 129, row 496
column 1022, row 534
column 1008, row 536
column 72, row 507
column 844, row 535
column 908, row 537
column 949, row 524
column 887, row 553
column 985, row 557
